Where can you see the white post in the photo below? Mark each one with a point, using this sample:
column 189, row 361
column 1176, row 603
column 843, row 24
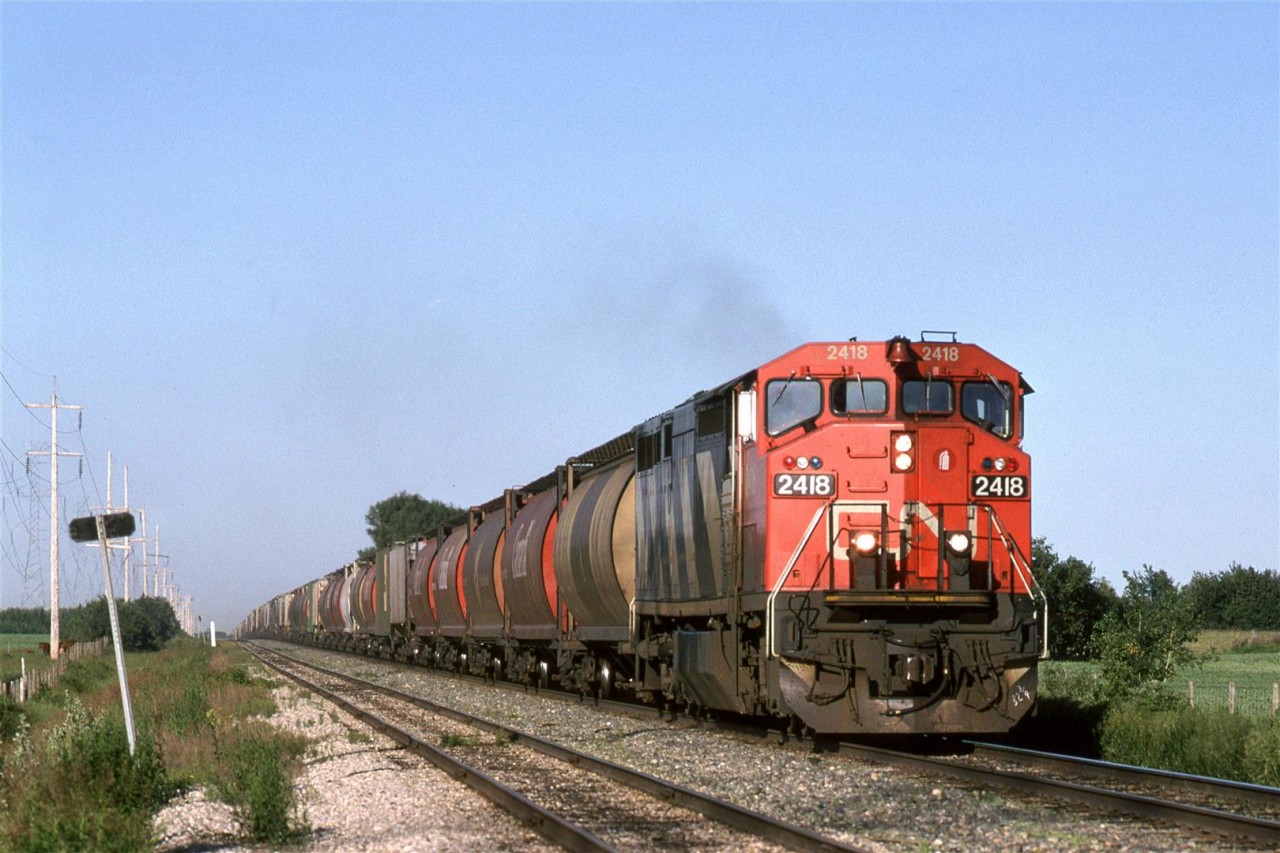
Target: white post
column 213, row 635
column 115, row 634
column 22, row 684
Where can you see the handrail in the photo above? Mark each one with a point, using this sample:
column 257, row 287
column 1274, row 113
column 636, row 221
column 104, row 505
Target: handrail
column 769, row 629
column 1023, row 567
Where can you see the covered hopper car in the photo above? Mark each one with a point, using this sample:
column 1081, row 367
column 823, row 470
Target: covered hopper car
column 837, row 539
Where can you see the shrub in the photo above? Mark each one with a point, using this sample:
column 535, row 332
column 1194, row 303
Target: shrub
column 10, row 717
column 83, row 791
column 258, row 783
column 87, row 673
column 190, row 713
column 1185, row 740
column 1262, row 753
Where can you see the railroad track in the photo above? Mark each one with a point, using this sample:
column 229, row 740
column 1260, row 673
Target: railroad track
column 1222, row 807
column 570, row 798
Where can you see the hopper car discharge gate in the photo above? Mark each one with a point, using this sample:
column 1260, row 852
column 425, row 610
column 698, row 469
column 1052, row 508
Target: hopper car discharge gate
column 864, row 655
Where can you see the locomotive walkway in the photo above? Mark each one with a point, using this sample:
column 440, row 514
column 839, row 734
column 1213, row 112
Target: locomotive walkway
column 580, row 803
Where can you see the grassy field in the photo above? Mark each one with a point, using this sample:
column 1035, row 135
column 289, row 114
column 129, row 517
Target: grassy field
column 1250, row 660
column 200, row 722
column 15, row 647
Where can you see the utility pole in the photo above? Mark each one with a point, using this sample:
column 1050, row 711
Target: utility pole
column 53, row 453
column 109, row 509
column 142, row 539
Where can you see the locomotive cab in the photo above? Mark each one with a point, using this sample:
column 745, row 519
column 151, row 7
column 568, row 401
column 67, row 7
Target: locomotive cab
column 897, row 524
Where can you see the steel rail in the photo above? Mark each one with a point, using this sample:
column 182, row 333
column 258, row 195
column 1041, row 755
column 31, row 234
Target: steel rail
column 542, row 821
column 1208, row 785
column 1199, row 817
column 743, row 819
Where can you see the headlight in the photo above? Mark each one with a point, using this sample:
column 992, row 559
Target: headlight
column 903, row 443
column 865, row 543
column 902, row 462
column 959, row 542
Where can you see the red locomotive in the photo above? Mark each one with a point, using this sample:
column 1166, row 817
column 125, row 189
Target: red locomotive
column 838, row 538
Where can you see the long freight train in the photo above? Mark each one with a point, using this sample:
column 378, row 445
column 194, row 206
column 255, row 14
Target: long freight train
column 838, row 538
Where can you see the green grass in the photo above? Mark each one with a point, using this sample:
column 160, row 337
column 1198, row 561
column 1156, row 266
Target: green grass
column 1252, row 666
column 14, row 648
column 200, row 722
column 18, row 642
column 1248, row 659
column 1239, row 641
column 1160, row 730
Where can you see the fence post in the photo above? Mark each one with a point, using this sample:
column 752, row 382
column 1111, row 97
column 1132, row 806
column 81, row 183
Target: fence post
column 1191, row 694
column 1275, row 697
column 1231, row 698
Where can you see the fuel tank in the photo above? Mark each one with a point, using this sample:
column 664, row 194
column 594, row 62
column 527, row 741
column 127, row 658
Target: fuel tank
column 418, row 590
column 447, row 595
column 528, row 573
column 481, row 582
column 595, row 552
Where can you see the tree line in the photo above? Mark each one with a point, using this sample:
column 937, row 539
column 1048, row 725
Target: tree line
column 146, row 623
column 1139, row 637
column 1081, row 603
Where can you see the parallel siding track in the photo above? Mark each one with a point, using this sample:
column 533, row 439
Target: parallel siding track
column 1146, row 795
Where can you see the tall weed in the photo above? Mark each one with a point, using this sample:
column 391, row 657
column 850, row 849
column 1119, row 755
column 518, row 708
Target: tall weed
column 82, row 790
column 1262, row 753
column 258, row 768
column 1205, row 743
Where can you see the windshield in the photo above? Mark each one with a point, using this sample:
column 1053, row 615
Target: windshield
column 791, row 402
column 989, row 405
column 927, row 396
column 859, row 396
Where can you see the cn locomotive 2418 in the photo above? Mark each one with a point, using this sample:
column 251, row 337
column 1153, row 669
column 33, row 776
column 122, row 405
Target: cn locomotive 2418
column 838, row 539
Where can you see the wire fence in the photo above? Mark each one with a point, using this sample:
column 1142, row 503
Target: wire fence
column 23, row 688
column 1251, row 700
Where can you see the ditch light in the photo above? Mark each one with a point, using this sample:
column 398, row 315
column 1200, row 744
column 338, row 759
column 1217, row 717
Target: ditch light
column 103, row 528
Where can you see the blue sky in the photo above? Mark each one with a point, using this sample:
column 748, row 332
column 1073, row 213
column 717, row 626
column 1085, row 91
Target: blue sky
column 293, row 258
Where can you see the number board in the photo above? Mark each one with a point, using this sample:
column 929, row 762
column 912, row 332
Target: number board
column 999, row 486
column 804, row 485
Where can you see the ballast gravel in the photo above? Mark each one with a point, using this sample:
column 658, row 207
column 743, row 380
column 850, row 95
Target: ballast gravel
column 372, row 796
column 359, row 792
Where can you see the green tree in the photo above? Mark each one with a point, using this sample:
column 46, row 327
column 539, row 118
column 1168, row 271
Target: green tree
column 1077, row 600
column 146, row 623
column 403, row 517
column 1144, row 639
column 24, row 620
column 1242, row 598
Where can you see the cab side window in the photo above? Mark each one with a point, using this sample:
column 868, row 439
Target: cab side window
column 988, row 405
